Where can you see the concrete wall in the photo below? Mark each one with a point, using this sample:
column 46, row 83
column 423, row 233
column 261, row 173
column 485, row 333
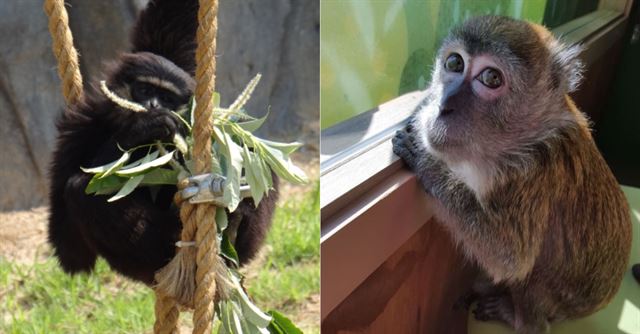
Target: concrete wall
column 279, row 38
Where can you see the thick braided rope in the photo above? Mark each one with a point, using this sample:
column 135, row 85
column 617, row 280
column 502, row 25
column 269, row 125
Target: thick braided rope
column 166, row 309
column 65, row 52
column 204, row 217
column 167, row 315
column 198, row 220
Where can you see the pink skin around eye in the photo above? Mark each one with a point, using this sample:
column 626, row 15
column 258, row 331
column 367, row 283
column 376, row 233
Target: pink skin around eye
column 476, row 66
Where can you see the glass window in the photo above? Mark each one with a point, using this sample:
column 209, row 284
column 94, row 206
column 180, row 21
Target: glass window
column 373, row 51
column 558, row 12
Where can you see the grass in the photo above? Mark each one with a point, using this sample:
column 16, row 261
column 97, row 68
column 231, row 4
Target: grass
column 39, row 298
column 291, row 272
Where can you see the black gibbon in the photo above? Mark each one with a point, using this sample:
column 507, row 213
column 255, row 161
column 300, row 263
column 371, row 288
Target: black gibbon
column 135, row 234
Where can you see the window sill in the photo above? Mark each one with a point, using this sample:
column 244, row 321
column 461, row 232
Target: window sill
column 366, row 197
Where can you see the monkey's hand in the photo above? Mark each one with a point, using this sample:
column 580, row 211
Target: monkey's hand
column 148, row 127
column 430, row 171
column 405, row 146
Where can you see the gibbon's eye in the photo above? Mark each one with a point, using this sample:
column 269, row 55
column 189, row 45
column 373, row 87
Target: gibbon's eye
column 491, row 78
column 142, row 91
column 454, row 63
column 169, row 99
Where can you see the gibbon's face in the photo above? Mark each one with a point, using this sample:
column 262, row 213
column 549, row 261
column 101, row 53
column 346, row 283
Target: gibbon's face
column 153, row 81
column 490, row 78
column 152, row 93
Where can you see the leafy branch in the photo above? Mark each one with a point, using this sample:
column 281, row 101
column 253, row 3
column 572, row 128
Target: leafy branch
column 240, row 157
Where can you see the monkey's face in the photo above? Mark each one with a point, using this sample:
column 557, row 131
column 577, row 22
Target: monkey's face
column 153, row 81
column 464, row 100
column 491, row 85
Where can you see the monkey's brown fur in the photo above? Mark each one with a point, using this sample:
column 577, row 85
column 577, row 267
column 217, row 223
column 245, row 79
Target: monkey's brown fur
column 552, row 231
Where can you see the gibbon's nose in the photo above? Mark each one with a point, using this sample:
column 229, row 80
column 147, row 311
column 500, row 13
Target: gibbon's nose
column 152, row 103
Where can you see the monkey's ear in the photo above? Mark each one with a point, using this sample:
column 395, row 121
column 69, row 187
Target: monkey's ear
column 566, row 68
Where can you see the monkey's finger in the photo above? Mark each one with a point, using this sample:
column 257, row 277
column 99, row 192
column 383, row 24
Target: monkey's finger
column 409, row 127
column 399, row 137
column 405, row 155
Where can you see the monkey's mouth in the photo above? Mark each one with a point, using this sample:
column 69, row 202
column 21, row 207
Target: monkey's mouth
column 442, row 137
column 440, row 144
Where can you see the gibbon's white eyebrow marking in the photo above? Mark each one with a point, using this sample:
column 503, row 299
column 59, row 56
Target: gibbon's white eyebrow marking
column 160, row 83
column 124, row 103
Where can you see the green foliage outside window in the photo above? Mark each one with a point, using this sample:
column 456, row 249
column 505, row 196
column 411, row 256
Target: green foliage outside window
column 375, row 50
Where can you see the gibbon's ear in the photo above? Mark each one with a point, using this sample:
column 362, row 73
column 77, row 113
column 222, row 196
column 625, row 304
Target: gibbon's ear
column 566, row 67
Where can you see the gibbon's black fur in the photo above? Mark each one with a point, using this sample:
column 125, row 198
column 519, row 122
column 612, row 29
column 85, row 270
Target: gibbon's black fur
column 135, row 234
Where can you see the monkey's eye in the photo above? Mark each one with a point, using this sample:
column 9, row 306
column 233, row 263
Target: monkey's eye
column 491, row 78
column 454, row 63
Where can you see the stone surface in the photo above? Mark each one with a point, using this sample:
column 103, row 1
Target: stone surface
column 278, row 38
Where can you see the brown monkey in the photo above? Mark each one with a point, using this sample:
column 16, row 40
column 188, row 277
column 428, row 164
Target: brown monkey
column 521, row 185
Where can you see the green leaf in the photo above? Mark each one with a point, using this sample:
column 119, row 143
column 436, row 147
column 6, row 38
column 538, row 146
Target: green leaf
column 228, row 116
column 184, row 121
column 237, row 323
column 222, row 220
column 104, row 186
column 253, row 329
column 253, row 125
column 283, row 166
column 263, row 171
column 219, row 141
column 226, row 317
column 148, row 157
column 234, row 172
column 281, row 324
column 233, row 163
column 228, row 251
column 230, row 319
column 221, row 328
column 268, row 178
column 127, row 188
column 108, row 169
column 160, row 176
column 274, row 156
column 254, row 174
column 274, row 328
column 146, row 165
column 285, row 148
column 216, row 99
column 119, row 163
column 251, row 312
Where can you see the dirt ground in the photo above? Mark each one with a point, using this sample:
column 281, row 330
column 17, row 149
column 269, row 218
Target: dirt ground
column 23, row 234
